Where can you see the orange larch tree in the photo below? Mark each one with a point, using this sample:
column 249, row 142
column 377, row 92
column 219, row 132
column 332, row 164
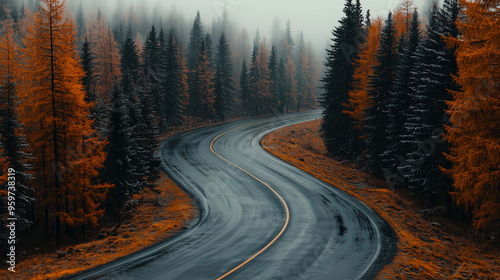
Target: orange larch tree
column 106, row 51
column 67, row 150
column 359, row 99
column 16, row 149
column 403, row 16
column 474, row 132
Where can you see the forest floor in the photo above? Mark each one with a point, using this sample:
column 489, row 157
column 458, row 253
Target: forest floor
column 430, row 246
column 156, row 218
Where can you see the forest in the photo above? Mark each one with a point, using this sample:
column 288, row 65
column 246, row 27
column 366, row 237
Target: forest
column 88, row 95
column 418, row 104
column 85, row 99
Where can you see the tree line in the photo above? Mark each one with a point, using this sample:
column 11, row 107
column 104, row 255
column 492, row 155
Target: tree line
column 83, row 104
column 418, row 107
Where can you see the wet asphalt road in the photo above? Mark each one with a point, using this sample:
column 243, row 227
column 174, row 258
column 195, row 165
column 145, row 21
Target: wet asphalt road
column 326, row 233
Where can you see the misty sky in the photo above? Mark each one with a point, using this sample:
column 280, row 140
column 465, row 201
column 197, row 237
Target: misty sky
column 316, row 18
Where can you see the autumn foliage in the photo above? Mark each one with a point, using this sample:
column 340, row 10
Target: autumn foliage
column 474, row 132
column 359, row 99
column 69, row 153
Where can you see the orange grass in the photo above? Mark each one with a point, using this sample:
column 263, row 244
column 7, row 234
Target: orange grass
column 426, row 249
column 156, row 218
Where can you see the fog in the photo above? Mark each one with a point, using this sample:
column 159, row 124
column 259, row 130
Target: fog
column 316, row 18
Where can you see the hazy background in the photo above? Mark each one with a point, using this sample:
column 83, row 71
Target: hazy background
column 316, row 18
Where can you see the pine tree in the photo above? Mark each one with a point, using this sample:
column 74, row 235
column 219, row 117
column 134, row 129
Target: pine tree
column 289, row 84
column 259, row 80
column 474, row 130
column 193, row 55
column 282, row 91
column 254, row 77
column 289, row 43
column 152, row 68
column 274, row 78
column 89, row 79
column 67, row 150
column 80, row 23
column 379, row 87
column 209, row 46
column 300, row 62
column 129, row 61
column 224, row 84
column 427, row 116
column 118, row 169
column 205, row 86
column 399, row 103
column 175, row 82
column 148, row 135
column 244, row 86
column 337, row 81
column 16, row 150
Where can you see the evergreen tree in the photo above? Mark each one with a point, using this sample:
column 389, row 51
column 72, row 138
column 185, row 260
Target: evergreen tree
column 196, row 39
column 89, row 78
column 118, row 169
column 193, row 55
column 80, row 23
column 337, row 81
column 289, row 43
column 254, row 77
column 282, row 91
column 224, row 84
column 174, row 82
column 427, row 116
column 244, row 85
column 205, row 86
column 399, row 103
column 129, row 61
column 209, row 46
column 379, row 88
column 154, row 74
column 148, row 135
column 274, row 78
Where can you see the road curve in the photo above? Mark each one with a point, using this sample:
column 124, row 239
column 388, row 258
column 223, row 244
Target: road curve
column 260, row 218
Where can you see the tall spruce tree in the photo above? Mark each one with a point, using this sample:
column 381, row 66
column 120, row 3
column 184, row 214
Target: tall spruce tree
column 427, row 116
column 153, row 73
column 118, row 169
column 80, row 23
column 224, row 84
column 193, row 55
column 89, row 79
column 379, row 88
column 173, row 82
column 244, row 86
column 399, row 104
column 282, row 91
column 274, row 77
column 347, row 37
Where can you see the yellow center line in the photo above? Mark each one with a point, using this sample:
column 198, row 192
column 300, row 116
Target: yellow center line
column 262, row 182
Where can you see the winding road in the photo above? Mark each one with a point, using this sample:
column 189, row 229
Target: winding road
column 260, row 218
